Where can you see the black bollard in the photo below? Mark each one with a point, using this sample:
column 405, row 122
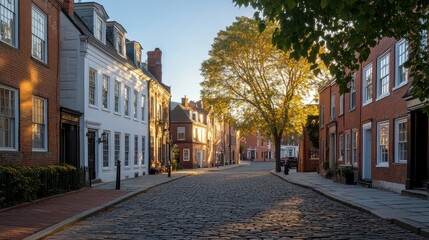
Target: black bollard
column 118, row 175
column 169, row 169
column 287, row 168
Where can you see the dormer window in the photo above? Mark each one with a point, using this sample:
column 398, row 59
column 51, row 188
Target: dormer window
column 98, row 29
column 119, row 43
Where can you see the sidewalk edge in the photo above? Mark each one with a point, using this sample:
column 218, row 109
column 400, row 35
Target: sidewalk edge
column 92, row 211
column 402, row 223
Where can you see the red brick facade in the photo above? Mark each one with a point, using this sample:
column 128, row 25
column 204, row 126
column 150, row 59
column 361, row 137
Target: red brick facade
column 361, row 124
column 257, row 148
column 21, row 72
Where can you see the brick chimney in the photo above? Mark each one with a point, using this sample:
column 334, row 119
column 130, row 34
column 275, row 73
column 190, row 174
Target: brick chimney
column 185, row 101
column 154, row 63
column 68, row 7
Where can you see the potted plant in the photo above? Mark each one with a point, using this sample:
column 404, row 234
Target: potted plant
column 348, row 174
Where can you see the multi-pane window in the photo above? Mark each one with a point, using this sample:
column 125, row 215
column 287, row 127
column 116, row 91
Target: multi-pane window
column 142, row 104
column 382, row 143
column 8, row 23
column 354, row 146
column 401, row 149
column 367, row 84
column 180, row 133
column 333, row 106
column 117, row 146
column 186, row 154
column 143, row 148
column 39, row 133
column 98, row 31
column 401, row 54
column 92, row 89
column 105, row 91
column 119, row 43
column 135, row 104
column 341, row 147
column 136, row 150
column 347, row 147
column 8, row 118
column 383, row 75
column 117, row 94
column 353, row 93
column 341, row 104
column 106, row 154
column 39, row 34
column 127, row 150
column 127, row 101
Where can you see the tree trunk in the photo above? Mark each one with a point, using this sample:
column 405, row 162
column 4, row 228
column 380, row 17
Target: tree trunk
column 277, row 141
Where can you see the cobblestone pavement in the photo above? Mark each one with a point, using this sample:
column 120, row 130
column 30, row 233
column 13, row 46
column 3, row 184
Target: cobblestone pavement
column 241, row 203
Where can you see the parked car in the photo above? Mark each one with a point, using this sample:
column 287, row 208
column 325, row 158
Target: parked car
column 282, row 161
column 292, row 161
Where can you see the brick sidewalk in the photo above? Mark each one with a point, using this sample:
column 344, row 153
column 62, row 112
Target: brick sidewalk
column 22, row 221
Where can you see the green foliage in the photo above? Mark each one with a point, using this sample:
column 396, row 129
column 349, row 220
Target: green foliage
column 254, row 84
column 346, row 170
column 21, row 184
column 348, row 30
column 312, row 128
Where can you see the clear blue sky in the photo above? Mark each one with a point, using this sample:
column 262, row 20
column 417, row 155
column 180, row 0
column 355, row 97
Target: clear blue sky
column 183, row 29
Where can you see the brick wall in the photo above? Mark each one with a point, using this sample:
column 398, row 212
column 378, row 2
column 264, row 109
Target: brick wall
column 20, row 71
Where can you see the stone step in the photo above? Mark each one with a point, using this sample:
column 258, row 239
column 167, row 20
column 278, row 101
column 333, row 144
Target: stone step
column 363, row 183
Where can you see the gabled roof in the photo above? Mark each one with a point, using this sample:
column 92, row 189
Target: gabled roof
column 98, row 7
column 178, row 114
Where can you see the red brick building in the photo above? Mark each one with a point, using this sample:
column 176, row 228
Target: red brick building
column 258, row 148
column 367, row 128
column 29, row 89
column 189, row 131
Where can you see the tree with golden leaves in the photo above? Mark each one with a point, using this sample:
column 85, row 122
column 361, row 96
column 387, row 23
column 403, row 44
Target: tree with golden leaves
column 257, row 85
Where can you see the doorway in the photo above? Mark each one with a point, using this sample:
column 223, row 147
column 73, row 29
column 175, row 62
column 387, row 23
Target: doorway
column 91, row 153
column 332, row 149
column 199, row 158
column 366, row 151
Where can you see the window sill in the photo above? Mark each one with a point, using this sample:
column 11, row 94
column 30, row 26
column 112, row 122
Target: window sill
column 352, row 109
column 136, row 167
column 41, row 62
column 128, row 117
column 382, row 96
column 127, row 168
column 106, row 109
column 8, row 150
column 366, row 103
column 117, row 114
column 400, row 85
column 136, row 120
column 39, row 150
column 93, row 107
column 382, row 165
column 106, row 169
column 401, row 162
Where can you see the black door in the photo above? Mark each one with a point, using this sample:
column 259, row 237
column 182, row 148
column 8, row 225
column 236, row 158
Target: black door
column 91, row 153
column 70, row 144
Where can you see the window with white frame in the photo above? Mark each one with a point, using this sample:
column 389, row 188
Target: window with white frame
column 9, row 118
column 119, row 43
column 135, row 104
column 341, row 146
column 117, row 146
column 39, row 34
column 341, row 104
column 332, row 106
column 117, row 95
column 401, row 56
column 127, row 101
column 354, row 147
column 106, row 154
column 142, row 104
column 347, row 147
column 105, row 92
column 92, row 87
column 382, row 144
column 98, row 29
column 39, row 117
column 136, row 150
column 186, row 154
column 8, row 21
column 143, row 148
column 353, row 93
column 367, row 84
column 127, row 150
column 180, row 133
column 383, row 73
column 401, row 150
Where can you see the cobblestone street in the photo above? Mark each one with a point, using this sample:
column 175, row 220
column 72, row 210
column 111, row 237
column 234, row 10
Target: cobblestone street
column 240, row 203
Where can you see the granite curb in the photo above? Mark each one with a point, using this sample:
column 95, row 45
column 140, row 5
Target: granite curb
column 406, row 224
